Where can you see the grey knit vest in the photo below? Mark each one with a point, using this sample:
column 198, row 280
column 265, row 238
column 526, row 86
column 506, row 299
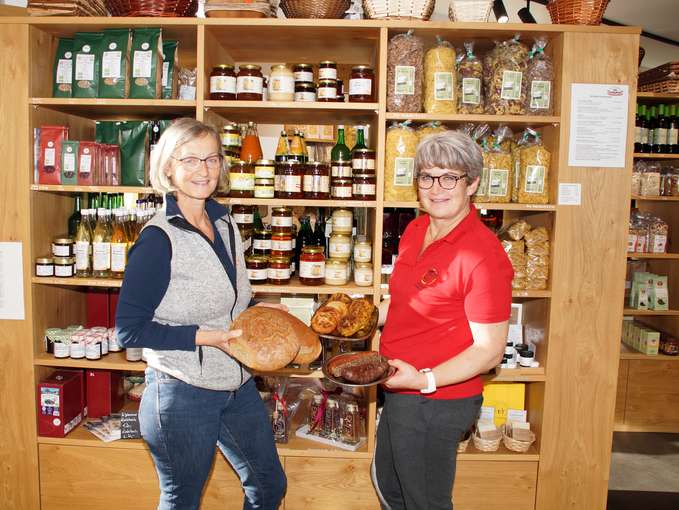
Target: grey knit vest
column 200, row 292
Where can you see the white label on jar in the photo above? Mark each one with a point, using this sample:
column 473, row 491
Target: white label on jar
column 360, row 87
column 104, row 346
column 231, row 140
column 257, row 274
column 327, row 93
column 244, row 218
column 281, row 221
column 166, row 73
column 85, row 166
column 61, row 350
column 316, row 184
column 264, row 172
column 340, row 249
column 659, row 243
column 69, row 162
column 404, row 169
column 60, row 250
column 134, row 353
column 285, row 245
column 50, row 157
column 363, row 277
column 242, row 182
column 44, row 270
column 535, row 179
column 341, row 170
column 511, row 85
column 278, row 274
column 264, row 192
column 77, row 350
column 82, row 255
column 341, row 191
column 364, row 189
column 101, row 256
column 141, row 64
column 540, row 92
column 262, row 244
column 326, row 73
column 362, row 253
column 223, row 85
column 63, row 271
column 307, row 76
column 404, row 80
column 249, row 85
column 93, row 351
column 335, row 275
column 363, row 164
column 308, row 269
column 281, row 85
column 118, row 257
column 342, row 222
column 308, row 97
column 292, row 183
column 110, row 64
column 443, row 86
column 84, row 67
column 471, row 90
column 65, row 71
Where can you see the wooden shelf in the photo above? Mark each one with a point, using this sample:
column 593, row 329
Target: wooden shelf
column 479, row 205
column 277, row 202
column 640, row 356
column 273, row 112
column 78, row 282
column 515, row 120
column 668, row 429
column 656, row 256
column 657, row 97
column 91, row 189
column 117, row 108
column 639, row 155
column 632, row 311
column 655, row 199
column 531, row 293
column 112, row 361
column 516, row 375
column 294, row 287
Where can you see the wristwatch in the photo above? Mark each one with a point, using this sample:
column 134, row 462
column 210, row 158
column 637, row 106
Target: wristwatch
column 431, row 381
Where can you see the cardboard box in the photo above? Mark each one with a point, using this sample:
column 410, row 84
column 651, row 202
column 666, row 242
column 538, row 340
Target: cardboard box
column 60, row 403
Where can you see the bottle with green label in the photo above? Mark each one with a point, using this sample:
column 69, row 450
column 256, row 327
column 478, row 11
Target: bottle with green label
column 673, row 132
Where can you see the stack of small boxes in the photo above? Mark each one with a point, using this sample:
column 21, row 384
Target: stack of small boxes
column 649, row 292
column 640, row 337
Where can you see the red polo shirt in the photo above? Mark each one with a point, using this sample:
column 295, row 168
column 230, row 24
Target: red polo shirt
column 465, row 276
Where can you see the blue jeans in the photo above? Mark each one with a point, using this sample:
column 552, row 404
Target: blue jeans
column 182, row 424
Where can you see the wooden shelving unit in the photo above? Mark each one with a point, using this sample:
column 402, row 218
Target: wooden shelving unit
column 642, row 155
column 653, row 256
column 668, row 313
column 512, row 120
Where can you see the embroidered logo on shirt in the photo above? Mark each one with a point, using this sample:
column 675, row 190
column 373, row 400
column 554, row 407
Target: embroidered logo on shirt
column 429, row 278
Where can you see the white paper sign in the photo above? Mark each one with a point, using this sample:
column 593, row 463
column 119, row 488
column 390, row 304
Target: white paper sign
column 570, row 193
column 598, row 133
column 11, row 282
column 487, row 413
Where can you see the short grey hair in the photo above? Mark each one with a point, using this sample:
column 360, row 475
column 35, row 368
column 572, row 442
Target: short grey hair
column 450, row 150
column 177, row 134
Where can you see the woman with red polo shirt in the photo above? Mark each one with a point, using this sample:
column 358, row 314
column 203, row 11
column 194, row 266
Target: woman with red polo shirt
column 445, row 324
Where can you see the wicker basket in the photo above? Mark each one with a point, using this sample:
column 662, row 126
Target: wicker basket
column 155, row 8
column 464, row 442
column 577, row 12
column 513, row 444
column 487, row 445
column 470, row 10
column 662, row 79
column 395, row 9
column 661, row 87
column 323, row 9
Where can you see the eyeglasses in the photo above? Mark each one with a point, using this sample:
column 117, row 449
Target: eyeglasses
column 446, row 181
column 193, row 163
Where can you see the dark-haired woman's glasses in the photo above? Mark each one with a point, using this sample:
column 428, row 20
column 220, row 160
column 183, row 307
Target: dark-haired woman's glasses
column 446, row 181
column 193, row 163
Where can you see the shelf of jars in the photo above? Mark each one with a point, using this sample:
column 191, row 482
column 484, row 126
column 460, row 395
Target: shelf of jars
column 626, row 353
column 655, row 198
column 514, row 120
column 654, row 256
column 75, row 281
column 282, row 202
column 486, row 206
column 65, row 188
column 650, row 313
column 112, row 361
column 271, row 112
column 642, row 155
column 99, row 108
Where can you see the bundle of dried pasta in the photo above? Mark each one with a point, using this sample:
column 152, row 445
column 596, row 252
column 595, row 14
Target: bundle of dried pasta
column 479, row 134
column 534, row 163
column 399, row 174
column 517, row 256
column 537, row 258
column 518, row 230
column 539, row 77
column 469, row 81
column 504, row 70
column 430, row 128
column 497, row 163
column 405, row 57
column 439, row 78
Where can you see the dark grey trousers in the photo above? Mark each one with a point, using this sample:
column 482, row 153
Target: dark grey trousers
column 416, row 450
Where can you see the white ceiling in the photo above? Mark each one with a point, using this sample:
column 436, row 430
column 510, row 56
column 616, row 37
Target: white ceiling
column 655, row 16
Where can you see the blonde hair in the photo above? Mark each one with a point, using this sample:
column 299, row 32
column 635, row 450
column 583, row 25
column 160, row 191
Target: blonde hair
column 450, row 150
column 181, row 131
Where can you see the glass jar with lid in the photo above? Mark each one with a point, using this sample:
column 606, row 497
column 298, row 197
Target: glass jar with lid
column 281, row 244
column 243, row 214
column 327, row 70
column 316, row 185
column 312, row 265
column 289, row 176
column 340, row 246
column 63, row 246
column 336, row 271
column 64, row 267
column 305, row 92
column 364, row 187
column 341, row 170
column 265, row 169
column 249, row 83
column 341, row 188
column 264, row 188
column 261, row 243
column 279, row 270
column 44, row 266
column 257, row 267
column 362, row 249
column 303, row 73
column 231, row 138
column 281, row 218
column 363, row 161
column 242, row 179
column 363, row 274
column 223, row 83
column 281, row 83
column 342, row 221
column 361, row 85
column 327, row 90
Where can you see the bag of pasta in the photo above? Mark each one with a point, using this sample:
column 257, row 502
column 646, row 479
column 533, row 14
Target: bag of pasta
column 405, row 59
column 534, row 163
column 399, row 177
column 537, row 258
column 516, row 161
column 505, row 79
column 497, row 163
column 539, row 78
column 430, row 128
column 479, row 134
column 439, row 78
column 517, row 256
column 469, row 82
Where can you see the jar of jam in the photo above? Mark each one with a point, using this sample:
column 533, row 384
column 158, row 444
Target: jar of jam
column 340, row 246
column 243, row 214
column 44, row 266
column 341, row 188
column 341, row 170
column 242, row 179
column 281, row 83
column 64, row 267
column 279, row 270
column 249, row 83
column 362, row 249
column 305, row 92
column 327, row 90
column 231, row 139
column 281, row 218
column 257, row 269
column 363, row 161
column 327, row 70
column 363, row 274
column 281, row 244
column 336, row 271
column 303, row 73
column 264, row 188
column 261, row 243
column 289, row 176
column 316, row 185
column 223, row 83
column 340, row 91
column 265, row 169
column 63, row 246
column 312, row 265
column 364, row 187
column 342, row 221
column 361, row 84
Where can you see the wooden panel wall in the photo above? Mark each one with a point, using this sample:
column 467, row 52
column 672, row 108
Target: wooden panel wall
column 18, row 450
column 588, row 280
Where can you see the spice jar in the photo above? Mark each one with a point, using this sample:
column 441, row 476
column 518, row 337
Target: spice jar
column 261, row 243
column 63, row 246
column 303, row 73
column 242, row 179
column 312, row 265
column 64, row 267
column 342, row 221
column 289, row 176
column 264, row 188
column 526, row 357
column 305, row 92
column 364, row 187
column 363, row 274
column 281, row 218
column 336, row 271
column 265, row 169
column 62, row 346
column 223, row 83
column 340, row 246
column 341, row 170
column 44, row 266
column 327, row 90
column 281, row 83
column 77, row 347
column 341, row 188
column 281, row 244
column 93, row 347
column 249, row 83
column 363, row 161
column 257, row 269
column 351, row 424
column 315, row 427
column 279, row 270
column 362, row 249
column 243, row 214
column 332, row 419
column 327, row 70
column 316, row 184
column 361, row 84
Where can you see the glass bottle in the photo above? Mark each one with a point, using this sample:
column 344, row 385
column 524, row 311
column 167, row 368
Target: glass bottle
column 319, row 230
column 360, row 139
column 637, row 130
column 257, row 221
column 305, row 237
column 305, row 150
column 283, row 148
column 119, row 245
column 154, row 136
column 652, row 127
column 646, row 128
column 673, row 132
column 340, row 156
column 101, row 246
column 296, row 148
column 662, row 145
column 83, row 246
column 74, row 219
column 251, row 149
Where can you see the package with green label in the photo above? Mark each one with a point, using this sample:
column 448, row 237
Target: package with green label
column 69, row 162
column 87, row 53
column 660, row 298
column 114, row 80
column 479, row 133
column 504, row 68
column 469, row 81
column 405, row 59
column 134, row 136
column 147, row 68
column 539, row 78
column 439, row 78
column 534, row 167
column 170, row 69
column 399, row 177
column 107, row 131
column 497, row 162
column 63, row 69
